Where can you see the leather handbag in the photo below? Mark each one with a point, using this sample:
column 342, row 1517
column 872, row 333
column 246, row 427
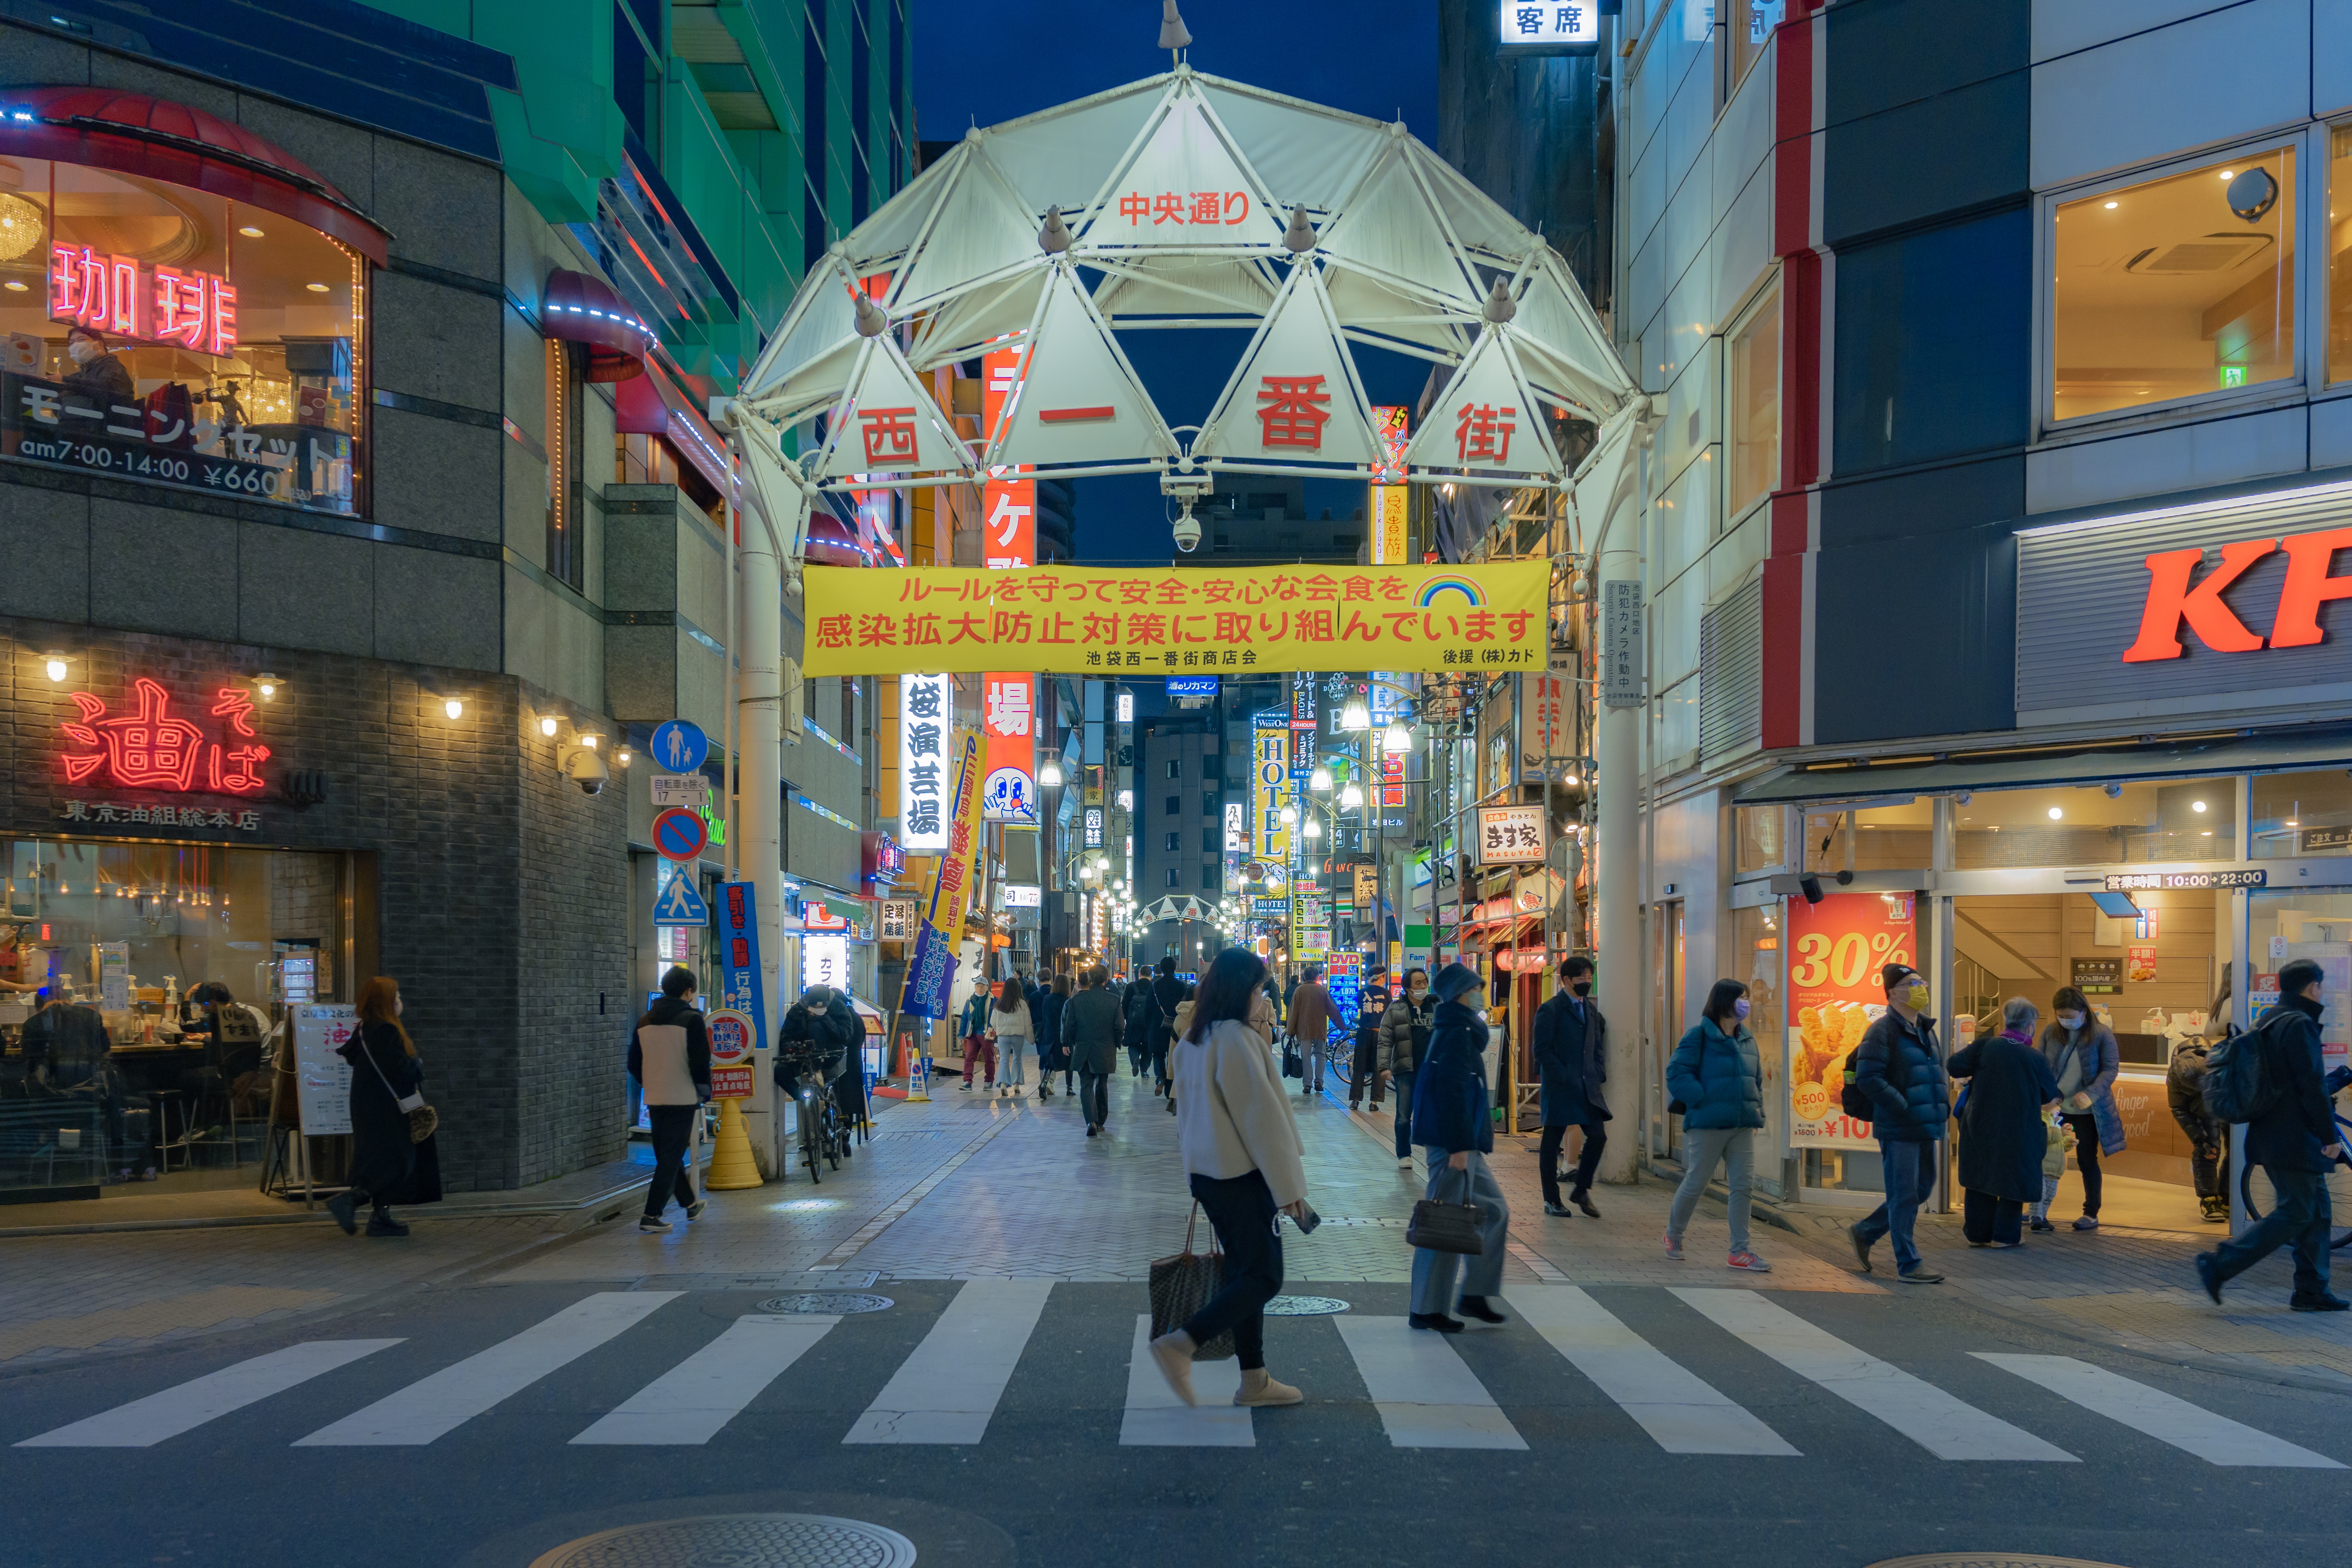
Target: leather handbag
column 1182, row 1285
column 1440, row 1227
column 422, row 1118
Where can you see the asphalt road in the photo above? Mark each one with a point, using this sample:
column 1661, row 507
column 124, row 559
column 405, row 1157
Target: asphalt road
column 456, row 1443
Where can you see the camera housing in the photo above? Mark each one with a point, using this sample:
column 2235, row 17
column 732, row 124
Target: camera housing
column 586, row 769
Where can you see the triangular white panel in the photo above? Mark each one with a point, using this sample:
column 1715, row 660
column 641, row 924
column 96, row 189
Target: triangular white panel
column 1061, row 156
column 1476, row 219
column 1294, row 398
column 893, row 225
column 1486, row 421
column 1155, row 285
column 978, row 317
column 889, row 423
column 979, row 233
column 1365, row 303
column 1079, row 401
column 1185, row 189
column 1562, row 346
column 1304, row 151
column 776, row 493
column 1390, row 229
column 807, row 364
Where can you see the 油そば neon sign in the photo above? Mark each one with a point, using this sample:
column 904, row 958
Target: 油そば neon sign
column 154, row 748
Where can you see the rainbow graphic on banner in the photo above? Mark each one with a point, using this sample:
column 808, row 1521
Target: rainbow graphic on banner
column 1435, row 588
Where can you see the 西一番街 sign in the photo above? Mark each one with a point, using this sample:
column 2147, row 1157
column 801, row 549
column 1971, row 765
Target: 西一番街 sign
column 1078, row 620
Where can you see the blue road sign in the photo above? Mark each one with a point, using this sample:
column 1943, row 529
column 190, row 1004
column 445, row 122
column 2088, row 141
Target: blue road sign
column 678, row 747
column 679, row 834
column 681, row 905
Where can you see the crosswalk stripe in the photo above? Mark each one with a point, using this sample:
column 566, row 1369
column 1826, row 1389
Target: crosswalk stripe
column 1427, row 1397
column 435, row 1404
column 691, row 1402
column 1156, row 1419
column 1946, row 1426
column 948, row 1389
column 143, row 1422
column 1680, row 1410
column 2216, row 1439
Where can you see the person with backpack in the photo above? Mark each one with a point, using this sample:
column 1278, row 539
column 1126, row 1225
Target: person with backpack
column 2082, row 1056
column 2269, row 1080
column 669, row 1056
column 1895, row 1079
column 2208, row 1140
column 1364, row 1067
column 1716, row 1076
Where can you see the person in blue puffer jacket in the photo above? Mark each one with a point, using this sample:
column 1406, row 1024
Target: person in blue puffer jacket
column 1717, row 1078
column 1899, row 1066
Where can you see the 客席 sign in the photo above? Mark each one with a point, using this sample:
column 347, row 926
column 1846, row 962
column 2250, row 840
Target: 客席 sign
column 1083, row 620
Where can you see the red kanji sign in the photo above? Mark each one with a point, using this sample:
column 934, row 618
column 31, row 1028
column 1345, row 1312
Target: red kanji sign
column 1224, row 208
column 1295, row 410
column 1482, row 433
column 890, row 435
column 156, row 748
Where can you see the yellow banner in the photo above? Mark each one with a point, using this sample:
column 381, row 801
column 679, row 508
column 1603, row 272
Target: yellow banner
column 1076, row 620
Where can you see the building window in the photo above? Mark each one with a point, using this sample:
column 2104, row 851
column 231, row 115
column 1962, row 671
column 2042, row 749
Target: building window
column 2302, row 814
column 1174, row 876
column 1212, row 806
column 1175, row 805
column 1175, row 767
column 1210, row 880
column 1750, row 23
column 1172, row 845
column 1753, row 401
column 1213, row 841
column 2340, row 255
column 565, row 552
column 2175, row 287
column 161, row 334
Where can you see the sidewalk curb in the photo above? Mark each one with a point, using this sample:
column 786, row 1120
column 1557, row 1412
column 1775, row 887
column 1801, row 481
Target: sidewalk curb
column 612, row 1197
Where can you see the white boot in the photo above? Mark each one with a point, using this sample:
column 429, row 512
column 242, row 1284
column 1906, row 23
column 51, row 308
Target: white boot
column 1257, row 1388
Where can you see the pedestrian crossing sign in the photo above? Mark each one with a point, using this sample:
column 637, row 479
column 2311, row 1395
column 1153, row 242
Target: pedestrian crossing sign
column 680, row 905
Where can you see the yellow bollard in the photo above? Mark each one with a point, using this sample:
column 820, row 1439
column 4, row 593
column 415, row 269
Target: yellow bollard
column 730, row 1161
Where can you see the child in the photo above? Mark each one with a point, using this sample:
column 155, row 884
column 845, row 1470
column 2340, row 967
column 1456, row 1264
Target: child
column 2056, row 1139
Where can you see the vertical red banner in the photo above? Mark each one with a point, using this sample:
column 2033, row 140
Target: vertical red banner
column 1837, row 949
column 1008, row 718
column 1008, row 504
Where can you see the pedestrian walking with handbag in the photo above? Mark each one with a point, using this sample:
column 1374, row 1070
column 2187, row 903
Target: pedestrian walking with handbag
column 393, row 1156
column 1312, row 1015
column 1242, row 1158
column 1008, row 1026
column 669, row 1056
column 1716, row 1078
column 2003, row 1139
column 1452, row 1118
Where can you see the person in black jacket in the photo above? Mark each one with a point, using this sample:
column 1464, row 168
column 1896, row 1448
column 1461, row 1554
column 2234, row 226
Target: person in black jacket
column 1571, row 1046
column 2209, row 1137
column 2002, row 1133
column 387, row 1164
column 669, row 1056
column 2294, row 1141
column 1899, row 1066
column 1454, row 1119
column 1167, row 994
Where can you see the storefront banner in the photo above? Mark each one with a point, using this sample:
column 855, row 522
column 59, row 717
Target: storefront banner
column 1345, row 979
column 1510, row 835
column 933, row 971
column 1836, row 949
column 926, row 712
column 1080, row 620
column 322, row 1080
column 739, row 957
column 1008, row 504
column 1008, row 717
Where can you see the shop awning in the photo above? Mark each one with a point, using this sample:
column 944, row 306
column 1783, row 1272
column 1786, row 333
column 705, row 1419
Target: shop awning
column 2269, row 751
column 131, row 133
column 580, row 309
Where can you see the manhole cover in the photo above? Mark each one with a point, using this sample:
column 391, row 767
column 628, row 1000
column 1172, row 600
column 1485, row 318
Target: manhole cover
column 1989, row 1560
column 1304, row 1306
column 829, row 1303
column 739, row 1541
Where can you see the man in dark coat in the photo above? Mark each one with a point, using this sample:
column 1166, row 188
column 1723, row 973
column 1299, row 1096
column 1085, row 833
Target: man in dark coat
column 1572, row 1047
column 1089, row 1033
column 2208, row 1138
column 2003, row 1136
column 2294, row 1140
column 1899, row 1067
column 1451, row 1116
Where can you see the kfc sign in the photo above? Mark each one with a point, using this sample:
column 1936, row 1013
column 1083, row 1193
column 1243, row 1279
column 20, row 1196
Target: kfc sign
column 2179, row 598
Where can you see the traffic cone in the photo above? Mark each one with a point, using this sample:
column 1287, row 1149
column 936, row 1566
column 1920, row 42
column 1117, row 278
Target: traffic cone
column 731, row 1160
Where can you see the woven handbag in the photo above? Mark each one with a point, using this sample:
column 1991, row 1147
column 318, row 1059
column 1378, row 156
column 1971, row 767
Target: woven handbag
column 1446, row 1228
column 1181, row 1286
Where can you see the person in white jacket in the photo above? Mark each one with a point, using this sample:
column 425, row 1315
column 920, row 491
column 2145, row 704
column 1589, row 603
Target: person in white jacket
column 1009, row 1027
column 1242, row 1155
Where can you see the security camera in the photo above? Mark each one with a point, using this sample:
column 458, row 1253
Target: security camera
column 1187, row 529
column 586, row 769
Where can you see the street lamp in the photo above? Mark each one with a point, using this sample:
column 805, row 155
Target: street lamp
column 1350, row 797
column 1320, row 780
column 1397, row 741
column 1289, row 816
column 1314, row 828
column 1354, row 715
column 1049, row 773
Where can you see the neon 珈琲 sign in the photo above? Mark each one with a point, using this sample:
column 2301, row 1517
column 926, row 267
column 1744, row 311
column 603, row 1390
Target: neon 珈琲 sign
column 154, row 748
column 131, row 299
column 2178, row 597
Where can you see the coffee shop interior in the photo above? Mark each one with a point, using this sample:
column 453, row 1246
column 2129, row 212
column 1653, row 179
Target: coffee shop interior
column 190, row 956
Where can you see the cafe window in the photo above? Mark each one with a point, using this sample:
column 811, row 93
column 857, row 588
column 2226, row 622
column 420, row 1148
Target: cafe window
column 2175, row 287
column 157, row 332
column 2302, row 814
column 1754, row 399
column 566, row 551
column 2086, row 826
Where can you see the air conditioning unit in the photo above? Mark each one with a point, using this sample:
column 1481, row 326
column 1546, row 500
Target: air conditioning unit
column 2205, row 254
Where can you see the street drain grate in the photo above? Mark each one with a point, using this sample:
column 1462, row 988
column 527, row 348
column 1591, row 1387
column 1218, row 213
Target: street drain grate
column 1989, row 1560
column 827, row 1303
column 1304, row 1306
column 739, row 1541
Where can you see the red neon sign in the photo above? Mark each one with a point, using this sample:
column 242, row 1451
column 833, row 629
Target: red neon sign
column 2175, row 596
column 124, row 296
column 154, row 748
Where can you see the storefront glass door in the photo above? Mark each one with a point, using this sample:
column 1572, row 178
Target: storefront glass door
column 2313, row 923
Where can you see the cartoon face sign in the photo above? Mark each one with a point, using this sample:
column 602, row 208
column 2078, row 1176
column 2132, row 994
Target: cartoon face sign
column 1006, row 795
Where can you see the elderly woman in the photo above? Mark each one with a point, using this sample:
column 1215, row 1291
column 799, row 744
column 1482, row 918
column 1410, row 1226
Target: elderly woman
column 2084, row 1058
column 2010, row 1089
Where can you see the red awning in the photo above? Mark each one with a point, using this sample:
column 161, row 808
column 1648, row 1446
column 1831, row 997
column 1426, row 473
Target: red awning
column 581, row 308
column 131, row 133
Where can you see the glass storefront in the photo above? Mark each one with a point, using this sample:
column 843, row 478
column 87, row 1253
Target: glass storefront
column 153, row 331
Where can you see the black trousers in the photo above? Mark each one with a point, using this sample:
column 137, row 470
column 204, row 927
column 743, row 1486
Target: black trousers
column 1596, row 1138
column 1985, row 1219
column 2087, row 1157
column 1242, row 1211
column 673, row 1128
column 1094, row 1097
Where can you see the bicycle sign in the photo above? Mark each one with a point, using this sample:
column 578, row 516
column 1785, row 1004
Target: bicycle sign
column 730, row 1055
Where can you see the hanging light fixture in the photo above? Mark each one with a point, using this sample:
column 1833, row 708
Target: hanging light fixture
column 1398, row 740
column 265, row 685
column 1355, row 715
column 1320, row 780
column 1350, row 797
column 1049, row 773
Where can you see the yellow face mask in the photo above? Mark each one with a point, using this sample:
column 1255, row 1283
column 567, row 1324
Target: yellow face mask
column 1915, row 996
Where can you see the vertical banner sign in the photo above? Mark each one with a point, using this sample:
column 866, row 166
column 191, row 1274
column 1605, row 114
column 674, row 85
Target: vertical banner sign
column 739, row 957
column 1388, row 513
column 1345, row 979
column 1545, row 735
column 933, row 967
column 1270, row 789
column 1008, row 503
column 1008, row 713
column 926, row 709
column 1836, row 948
column 1620, row 643
column 1094, row 827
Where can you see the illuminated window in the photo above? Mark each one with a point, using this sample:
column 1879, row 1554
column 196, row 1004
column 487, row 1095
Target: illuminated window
column 2175, row 287
column 2339, row 253
column 566, row 553
column 156, row 332
column 1753, row 398
column 1749, row 24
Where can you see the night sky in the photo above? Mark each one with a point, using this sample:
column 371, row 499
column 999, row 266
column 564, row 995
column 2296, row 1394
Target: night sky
column 994, row 61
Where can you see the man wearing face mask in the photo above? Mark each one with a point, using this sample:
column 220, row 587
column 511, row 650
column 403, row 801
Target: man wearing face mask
column 1572, row 1047
column 98, row 377
column 1898, row 1067
column 1404, row 1040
